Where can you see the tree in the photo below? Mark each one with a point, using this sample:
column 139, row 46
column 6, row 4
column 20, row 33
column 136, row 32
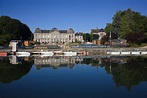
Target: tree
column 127, row 24
column 94, row 36
column 86, row 37
column 108, row 28
column 13, row 29
column 116, row 22
column 104, row 39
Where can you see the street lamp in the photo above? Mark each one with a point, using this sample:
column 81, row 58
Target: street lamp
column 110, row 38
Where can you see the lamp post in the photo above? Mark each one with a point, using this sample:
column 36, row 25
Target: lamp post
column 110, row 38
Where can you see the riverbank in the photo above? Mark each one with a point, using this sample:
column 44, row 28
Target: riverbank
column 86, row 51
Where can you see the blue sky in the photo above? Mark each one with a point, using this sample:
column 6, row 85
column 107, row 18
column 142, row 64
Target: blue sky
column 82, row 15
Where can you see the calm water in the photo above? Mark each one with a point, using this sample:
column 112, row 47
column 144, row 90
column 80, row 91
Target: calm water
column 71, row 77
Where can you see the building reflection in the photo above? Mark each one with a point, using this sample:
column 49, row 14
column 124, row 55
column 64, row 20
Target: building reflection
column 13, row 68
column 16, row 60
column 54, row 62
column 60, row 61
column 13, row 59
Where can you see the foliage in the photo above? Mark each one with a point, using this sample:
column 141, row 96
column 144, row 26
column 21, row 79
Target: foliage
column 94, row 36
column 128, row 24
column 104, row 39
column 116, row 22
column 86, row 37
column 108, row 27
column 37, row 43
column 73, row 44
column 13, row 29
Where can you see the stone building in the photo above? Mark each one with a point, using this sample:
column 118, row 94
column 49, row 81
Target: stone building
column 54, row 36
column 79, row 37
column 100, row 32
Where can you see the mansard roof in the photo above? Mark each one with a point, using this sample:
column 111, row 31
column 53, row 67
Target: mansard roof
column 97, row 30
column 38, row 30
column 54, row 29
column 70, row 30
column 45, row 31
column 63, row 31
column 79, row 34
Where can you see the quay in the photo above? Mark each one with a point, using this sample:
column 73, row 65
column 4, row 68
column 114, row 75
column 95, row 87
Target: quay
column 75, row 51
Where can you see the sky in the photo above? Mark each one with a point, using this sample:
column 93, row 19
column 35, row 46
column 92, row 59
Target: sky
column 81, row 15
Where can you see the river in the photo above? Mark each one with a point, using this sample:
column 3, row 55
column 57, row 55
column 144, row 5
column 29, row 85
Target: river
column 73, row 77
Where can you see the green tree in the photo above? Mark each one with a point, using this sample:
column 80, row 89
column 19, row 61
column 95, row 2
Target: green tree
column 95, row 37
column 13, row 29
column 86, row 37
column 116, row 23
column 128, row 24
column 108, row 28
column 104, row 39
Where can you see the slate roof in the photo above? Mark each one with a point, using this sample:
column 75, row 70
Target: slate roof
column 63, row 31
column 97, row 30
column 45, row 31
column 79, row 34
column 38, row 30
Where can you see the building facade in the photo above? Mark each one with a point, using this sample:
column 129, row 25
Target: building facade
column 100, row 32
column 79, row 37
column 54, row 36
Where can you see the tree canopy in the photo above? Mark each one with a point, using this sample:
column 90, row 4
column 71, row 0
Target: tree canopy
column 129, row 25
column 88, row 37
column 13, row 29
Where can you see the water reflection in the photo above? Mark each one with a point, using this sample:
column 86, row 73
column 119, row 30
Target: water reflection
column 125, row 71
column 128, row 74
column 12, row 68
column 54, row 62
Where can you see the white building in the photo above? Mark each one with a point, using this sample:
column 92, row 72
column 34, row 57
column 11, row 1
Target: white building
column 79, row 37
column 54, row 36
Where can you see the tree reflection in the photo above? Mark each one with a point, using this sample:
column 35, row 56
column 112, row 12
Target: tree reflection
column 126, row 71
column 129, row 74
column 10, row 72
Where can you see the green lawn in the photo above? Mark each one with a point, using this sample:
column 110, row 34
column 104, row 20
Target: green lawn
column 136, row 46
column 73, row 44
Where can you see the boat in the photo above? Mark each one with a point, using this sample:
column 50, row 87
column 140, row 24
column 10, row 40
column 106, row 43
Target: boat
column 115, row 53
column 125, row 52
column 40, row 53
column 135, row 52
column 70, row 53
column 144, row 52
column 46, row 53
column 22, row 54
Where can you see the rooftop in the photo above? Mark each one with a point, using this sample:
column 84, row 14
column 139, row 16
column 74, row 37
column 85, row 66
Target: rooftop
column 38, row 30
column 97, row 30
